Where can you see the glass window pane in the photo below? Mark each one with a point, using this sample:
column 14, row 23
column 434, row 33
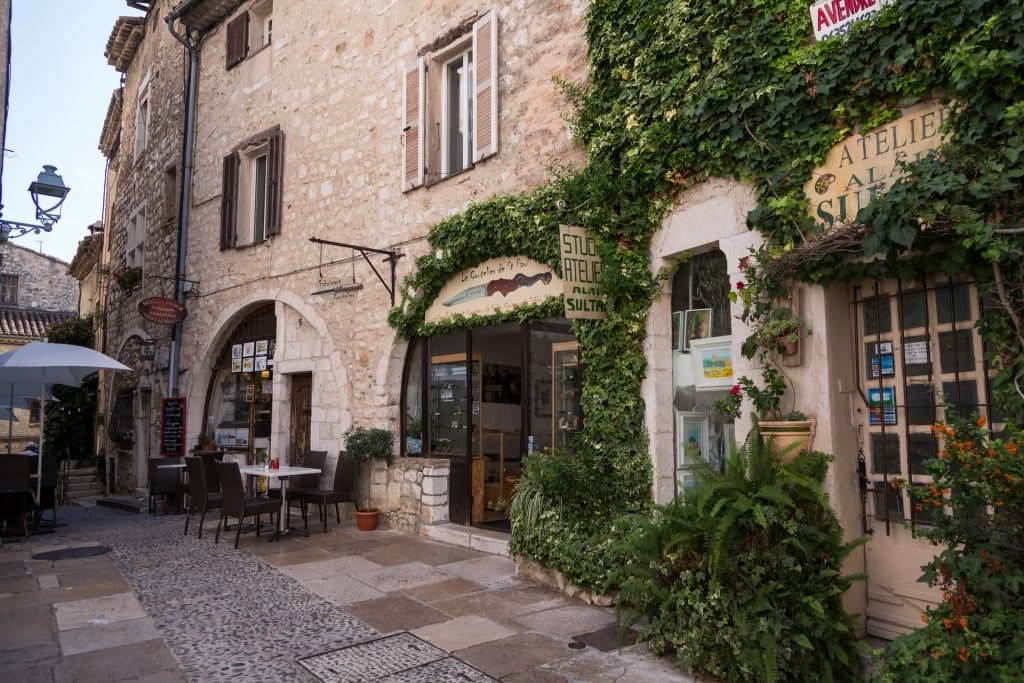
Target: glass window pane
column 413, row 400
column 952, row 303
column 961, row 396
column 885, row 454
column 914, row 309
column 920, row 404
column 888, row 502
column 956, row 351
column 917, row 348
column 876, row 315
column 921, row 513
column 920, row 449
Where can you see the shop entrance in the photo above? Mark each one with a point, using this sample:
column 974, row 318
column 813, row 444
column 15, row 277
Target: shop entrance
column 919, row 355
column 491, row 397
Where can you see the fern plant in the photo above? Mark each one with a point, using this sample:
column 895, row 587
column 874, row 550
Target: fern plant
column 741, row 578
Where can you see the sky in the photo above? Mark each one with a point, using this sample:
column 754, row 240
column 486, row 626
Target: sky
column 60, row 90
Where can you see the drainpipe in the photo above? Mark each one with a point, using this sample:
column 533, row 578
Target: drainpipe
column 191, row 42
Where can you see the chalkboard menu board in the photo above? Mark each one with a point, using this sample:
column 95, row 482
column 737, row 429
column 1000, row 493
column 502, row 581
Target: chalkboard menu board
column 172, row 427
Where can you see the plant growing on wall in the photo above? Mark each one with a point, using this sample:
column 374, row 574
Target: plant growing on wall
column 128, row 279
column 681, row 92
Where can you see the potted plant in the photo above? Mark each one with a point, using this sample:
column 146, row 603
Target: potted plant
column 206, row 443
column 775, row 331
column 128, row 279
column 363, row 445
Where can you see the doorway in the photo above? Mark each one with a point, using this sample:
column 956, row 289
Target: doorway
column 301, row 416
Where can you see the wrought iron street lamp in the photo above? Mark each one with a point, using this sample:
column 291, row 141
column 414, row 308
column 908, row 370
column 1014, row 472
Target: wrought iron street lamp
column 48, row 184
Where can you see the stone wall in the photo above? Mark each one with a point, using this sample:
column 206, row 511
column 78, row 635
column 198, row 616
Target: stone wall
column 43, row 281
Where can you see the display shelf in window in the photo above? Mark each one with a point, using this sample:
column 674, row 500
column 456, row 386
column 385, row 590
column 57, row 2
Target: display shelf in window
column 454, row 404
column 566, row 387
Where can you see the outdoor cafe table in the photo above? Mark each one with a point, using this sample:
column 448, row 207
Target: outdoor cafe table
column 283, row 473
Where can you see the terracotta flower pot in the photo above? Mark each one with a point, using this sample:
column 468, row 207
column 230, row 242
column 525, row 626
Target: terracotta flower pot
column 366, row 520
column 788, row 438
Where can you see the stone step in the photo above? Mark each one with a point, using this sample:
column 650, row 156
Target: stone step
column 126, row 503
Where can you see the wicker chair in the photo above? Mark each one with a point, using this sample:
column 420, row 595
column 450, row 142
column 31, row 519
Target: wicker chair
column 235, row 502
column 15, row 492
column 302, row 483
column 200, row 498
column 164, row 482
column 343, row 490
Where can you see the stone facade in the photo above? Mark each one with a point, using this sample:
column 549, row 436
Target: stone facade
column 43, row 281
column 332, row 82
column 46, row 295
column 142, row 140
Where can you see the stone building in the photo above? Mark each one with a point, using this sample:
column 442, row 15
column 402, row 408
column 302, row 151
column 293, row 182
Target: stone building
column 36, row 292
column 276, row 169
column 141, row 139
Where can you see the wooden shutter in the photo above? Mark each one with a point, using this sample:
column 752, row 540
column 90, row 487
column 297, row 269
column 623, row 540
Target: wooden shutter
column 485, row 89
column 229, row 203
column 275, row 168
column 413, row 126
column 237, row 39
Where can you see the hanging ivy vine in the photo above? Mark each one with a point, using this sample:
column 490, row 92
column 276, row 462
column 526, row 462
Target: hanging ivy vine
column 679, row 92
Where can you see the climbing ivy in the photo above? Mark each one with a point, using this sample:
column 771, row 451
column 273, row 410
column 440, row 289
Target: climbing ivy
column 681, row 91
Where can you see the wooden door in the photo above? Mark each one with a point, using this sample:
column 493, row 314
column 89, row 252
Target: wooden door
column 301, row 410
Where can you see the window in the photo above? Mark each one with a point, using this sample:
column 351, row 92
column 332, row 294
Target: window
column 33, row 412
column 239, row 41
column 9, row 290
column 451, row 106
column 251, row 198
column 142, row 121
column 134, row 250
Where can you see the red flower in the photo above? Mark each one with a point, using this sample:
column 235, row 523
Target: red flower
column 740, row 285
column 735, row 391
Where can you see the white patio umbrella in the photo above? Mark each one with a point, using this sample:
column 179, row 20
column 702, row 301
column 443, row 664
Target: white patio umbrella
column 45, row 364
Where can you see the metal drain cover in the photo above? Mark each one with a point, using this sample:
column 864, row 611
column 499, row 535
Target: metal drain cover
column 73, row 553
column 397, row 657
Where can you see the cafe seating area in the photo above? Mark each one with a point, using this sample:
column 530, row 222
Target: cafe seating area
column 27, row 493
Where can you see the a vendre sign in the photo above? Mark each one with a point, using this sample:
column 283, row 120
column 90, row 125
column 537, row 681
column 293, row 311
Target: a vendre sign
column 834, row 17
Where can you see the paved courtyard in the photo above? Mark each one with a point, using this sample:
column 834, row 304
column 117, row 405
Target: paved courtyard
column 131, row 598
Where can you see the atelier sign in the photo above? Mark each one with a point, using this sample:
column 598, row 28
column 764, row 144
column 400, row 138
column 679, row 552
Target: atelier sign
column 581, row 273
column 866, row 165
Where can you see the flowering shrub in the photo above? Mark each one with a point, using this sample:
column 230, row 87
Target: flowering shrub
column 766, row 398
column 976, row 497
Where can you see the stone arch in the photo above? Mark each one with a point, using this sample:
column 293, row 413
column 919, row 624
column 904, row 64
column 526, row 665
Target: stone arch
column 709, row 216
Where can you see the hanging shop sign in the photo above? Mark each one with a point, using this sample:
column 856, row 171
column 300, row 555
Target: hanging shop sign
column 835, row 17
column 866, row 165
column 494, row 286
column 162, row 311
column 252, row 356
column 581, row 273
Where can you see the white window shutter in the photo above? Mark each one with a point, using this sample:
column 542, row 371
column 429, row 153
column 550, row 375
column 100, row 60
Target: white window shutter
column 413, row 125
column 485, row 95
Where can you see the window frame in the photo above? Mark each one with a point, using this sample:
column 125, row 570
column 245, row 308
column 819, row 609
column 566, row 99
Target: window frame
column 425, row 112
column 135, row 239
column 238, row 184
column 143, row 114
column 8, row 282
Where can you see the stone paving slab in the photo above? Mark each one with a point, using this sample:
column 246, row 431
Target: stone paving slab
column 397, row 657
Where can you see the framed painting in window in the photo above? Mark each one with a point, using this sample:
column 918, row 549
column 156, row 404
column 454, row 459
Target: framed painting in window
column 696, row 325
column 692, row 429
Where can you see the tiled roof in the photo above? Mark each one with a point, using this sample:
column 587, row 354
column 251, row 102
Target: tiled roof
column 124, row 41
column 111, row 135
column 202, row 15
column 27, row 323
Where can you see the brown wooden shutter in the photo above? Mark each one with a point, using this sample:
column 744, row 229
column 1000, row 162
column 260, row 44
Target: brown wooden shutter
column 275, row 168
column 237, row 39
column 413, row 128
column 485, row 89
column 229, row 203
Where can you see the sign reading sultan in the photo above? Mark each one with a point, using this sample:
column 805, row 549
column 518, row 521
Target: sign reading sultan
column 581, row 273
column 864, row 166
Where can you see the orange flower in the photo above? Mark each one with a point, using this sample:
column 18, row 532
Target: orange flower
column 962, row 654
column 980, row 421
